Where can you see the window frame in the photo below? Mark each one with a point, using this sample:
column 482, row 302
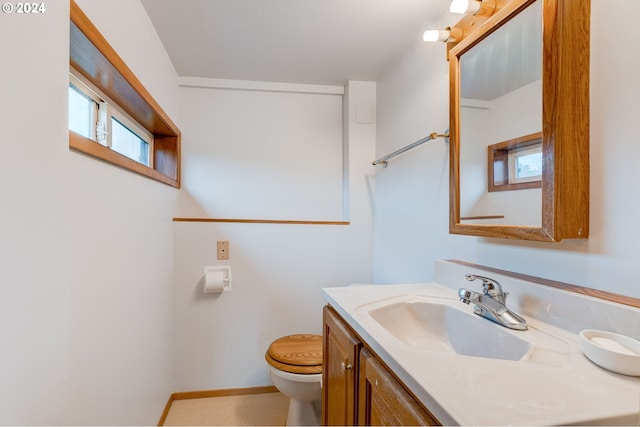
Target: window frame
column 106, row 111
column 133, row 128
column 79, row 87
column 500, row 154
column 96, row 61
column 515, row 155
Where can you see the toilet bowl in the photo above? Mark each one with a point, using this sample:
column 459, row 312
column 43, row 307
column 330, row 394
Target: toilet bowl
column 296, row 371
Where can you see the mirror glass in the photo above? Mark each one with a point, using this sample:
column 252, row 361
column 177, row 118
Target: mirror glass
column 501, row 124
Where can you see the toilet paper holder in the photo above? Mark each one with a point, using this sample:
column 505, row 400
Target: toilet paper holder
column 217, row 279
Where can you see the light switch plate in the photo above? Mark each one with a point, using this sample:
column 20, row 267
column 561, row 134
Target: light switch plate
column 223, row 249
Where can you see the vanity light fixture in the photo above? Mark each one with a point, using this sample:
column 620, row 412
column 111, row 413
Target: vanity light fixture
column 474, row 7
column 449, row 34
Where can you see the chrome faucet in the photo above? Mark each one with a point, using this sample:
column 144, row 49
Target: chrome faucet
column 491, row 303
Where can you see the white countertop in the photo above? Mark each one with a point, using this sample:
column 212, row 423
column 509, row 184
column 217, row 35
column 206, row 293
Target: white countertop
column 465, row 390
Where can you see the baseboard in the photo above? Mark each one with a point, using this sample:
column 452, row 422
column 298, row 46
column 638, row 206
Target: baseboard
column 165, row 412
column 201, row 394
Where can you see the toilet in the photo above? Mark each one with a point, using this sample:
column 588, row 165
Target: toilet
column 296, row 371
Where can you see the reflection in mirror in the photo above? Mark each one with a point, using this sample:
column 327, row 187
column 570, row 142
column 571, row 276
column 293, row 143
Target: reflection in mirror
column 513, row 76
column 501, row 101
column 515, row 164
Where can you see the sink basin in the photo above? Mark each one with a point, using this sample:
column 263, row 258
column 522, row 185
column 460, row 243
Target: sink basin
column 436, row 326
column 445, row 324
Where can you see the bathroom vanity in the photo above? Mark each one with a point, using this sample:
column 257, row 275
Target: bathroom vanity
column 358, row 388
column 413, row 354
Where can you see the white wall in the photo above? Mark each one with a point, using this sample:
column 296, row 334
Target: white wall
column 85, row 283
column 278, row 271
column 412, row 193
column 510, row 116
column 267, row 154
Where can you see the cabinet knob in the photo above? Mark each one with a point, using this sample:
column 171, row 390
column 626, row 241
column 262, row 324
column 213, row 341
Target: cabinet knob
column 347, row 367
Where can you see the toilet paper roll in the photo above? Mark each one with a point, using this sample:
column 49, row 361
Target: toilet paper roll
column 214, row 281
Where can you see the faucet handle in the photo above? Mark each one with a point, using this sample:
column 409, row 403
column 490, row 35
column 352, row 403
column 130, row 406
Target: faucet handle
column 489, row 286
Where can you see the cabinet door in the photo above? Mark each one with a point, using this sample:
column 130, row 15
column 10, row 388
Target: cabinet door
column 383, row 401
column 339, row 371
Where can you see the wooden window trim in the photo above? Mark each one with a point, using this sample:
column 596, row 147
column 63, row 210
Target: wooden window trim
column 500, row 152
column 92, row 56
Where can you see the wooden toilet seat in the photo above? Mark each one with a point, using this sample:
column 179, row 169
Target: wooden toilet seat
column 297, row 354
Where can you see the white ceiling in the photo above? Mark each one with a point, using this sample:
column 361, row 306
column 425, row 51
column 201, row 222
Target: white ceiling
column 507, row 59
column 297, row 41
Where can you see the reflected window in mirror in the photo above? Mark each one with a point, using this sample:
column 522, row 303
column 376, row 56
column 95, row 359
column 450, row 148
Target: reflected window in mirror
column 516, row 164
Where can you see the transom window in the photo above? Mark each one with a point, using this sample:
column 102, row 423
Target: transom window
column 95, row 117
column 112, row 116
column 525, row 164
column 516, row 164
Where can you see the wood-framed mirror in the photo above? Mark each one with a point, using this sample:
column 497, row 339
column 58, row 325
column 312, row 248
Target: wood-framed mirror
column 522, row 72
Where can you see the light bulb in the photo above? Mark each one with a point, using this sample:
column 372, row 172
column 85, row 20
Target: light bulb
column 465, row 6
column 436, row 35
column 449, row 34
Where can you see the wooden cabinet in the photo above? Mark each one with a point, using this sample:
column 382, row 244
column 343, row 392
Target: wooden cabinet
column 339, row 374
column 383, row 400
column 358, row 389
